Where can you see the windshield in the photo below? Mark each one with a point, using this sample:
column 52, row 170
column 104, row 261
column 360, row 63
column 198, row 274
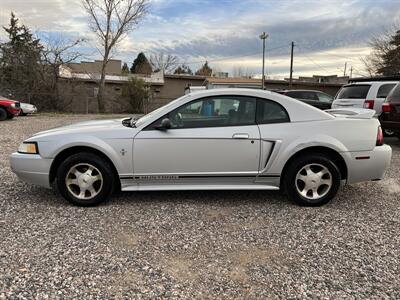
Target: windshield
column 143, row 119
column 354, row 92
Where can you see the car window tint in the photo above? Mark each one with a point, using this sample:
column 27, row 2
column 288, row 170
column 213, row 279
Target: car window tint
column 271, row 112
column 306, row 95
column 354, row 91
column 293, row 94
column 384, row 90
column 325, row 98
column 215, row 112
column 310, row 95
column 394, row 95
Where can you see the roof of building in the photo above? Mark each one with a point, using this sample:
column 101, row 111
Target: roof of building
column 232, row 80
column 185, row 76
column 257, row 81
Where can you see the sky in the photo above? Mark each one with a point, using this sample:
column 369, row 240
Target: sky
column 327, row 33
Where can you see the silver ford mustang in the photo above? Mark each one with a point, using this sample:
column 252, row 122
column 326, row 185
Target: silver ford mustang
column 222, row 139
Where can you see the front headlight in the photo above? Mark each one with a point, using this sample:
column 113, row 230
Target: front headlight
column 13, row 105
column 28, row 148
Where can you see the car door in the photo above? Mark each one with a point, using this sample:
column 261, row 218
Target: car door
column 210, row 137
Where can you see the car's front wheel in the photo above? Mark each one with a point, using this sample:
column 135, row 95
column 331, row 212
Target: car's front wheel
column 85, row 179
column 312, row 180
column 3, row 114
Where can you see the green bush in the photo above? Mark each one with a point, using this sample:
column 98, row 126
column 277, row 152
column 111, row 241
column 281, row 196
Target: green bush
column 137, row 93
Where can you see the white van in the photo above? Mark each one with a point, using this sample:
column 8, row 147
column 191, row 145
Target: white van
column 369, row 95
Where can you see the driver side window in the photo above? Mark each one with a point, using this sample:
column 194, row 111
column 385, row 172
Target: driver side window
column 216, row 111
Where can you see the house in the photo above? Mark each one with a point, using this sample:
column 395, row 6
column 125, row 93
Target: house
column 79, row 87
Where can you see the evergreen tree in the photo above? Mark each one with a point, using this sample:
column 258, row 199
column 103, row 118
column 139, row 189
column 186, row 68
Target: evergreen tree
column 141, row 65
column 391, row 58
column 205, row 70
column 184, row 69
column 125, row 69
column 20, row 61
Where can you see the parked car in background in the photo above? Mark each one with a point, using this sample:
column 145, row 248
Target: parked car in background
column 370, row 95
column 315, row 98
column 219, row 139
column 27, row 109
column 390, row 116
column 8, row 108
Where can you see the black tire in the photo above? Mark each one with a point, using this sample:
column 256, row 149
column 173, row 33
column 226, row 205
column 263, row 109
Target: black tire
column 389, row 133
column 290, row 182
column 3, row 114
column 103, row 167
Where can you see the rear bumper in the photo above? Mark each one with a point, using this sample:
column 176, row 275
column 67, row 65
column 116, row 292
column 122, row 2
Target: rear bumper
column 31, row 168
column 368, row 165
column 390, row 125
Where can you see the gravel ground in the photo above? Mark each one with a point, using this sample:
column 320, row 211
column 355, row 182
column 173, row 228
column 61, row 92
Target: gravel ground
column 195, row 244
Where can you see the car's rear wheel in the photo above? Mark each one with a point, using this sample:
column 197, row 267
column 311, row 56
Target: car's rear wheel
column 312, row 180
column 85, row 179
column 3, row 114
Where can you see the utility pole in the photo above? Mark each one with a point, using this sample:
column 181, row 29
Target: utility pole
column 291, row 66
column 345, row 67
column 351, row 71
column 263, row 36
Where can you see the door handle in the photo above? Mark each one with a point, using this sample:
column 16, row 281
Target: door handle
column 240, row 136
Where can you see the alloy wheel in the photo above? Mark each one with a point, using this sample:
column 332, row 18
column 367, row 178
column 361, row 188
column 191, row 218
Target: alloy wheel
column 84, row 181
column 313, row 181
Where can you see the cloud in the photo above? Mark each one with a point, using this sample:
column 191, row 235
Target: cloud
column 225, row 32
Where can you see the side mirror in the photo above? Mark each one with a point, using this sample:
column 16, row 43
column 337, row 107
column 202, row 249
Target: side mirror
column 165, row 124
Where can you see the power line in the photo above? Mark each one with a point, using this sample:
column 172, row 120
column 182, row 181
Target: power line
column 231, row 57
column 311, row 60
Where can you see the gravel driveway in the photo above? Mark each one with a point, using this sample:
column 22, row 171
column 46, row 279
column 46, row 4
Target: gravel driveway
column 203, row 245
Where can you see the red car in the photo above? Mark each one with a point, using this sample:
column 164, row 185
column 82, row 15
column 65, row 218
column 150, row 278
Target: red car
column 8, row 108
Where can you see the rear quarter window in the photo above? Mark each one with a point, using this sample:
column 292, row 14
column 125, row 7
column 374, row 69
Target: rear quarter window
column 354, row 92
column 269, row 111
column 384, row 90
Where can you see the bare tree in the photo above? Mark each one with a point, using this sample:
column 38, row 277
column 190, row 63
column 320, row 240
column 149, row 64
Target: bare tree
column 111, row 21
column 163, row 62
column 380, row 47
column 58, row 51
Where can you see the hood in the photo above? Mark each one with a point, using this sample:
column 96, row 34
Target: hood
column 7, row 101
column 98, row 127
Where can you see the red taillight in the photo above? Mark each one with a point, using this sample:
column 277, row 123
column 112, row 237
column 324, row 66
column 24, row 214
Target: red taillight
column 386, row 107
column 369, row 104
column 379, row 138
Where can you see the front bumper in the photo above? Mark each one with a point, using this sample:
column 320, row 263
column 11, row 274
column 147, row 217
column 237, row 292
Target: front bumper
column 31, row 168
column 13, row 111
column 368, row 165
column 29, row 110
